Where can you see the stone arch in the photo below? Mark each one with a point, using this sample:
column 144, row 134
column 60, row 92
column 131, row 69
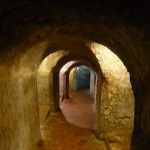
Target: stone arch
column 48, row 48
column 67, row 72
column 92, row 70
column 128, row 39
column 45, row 84
column 117, row 92
column 80, row 60
column 49, row 96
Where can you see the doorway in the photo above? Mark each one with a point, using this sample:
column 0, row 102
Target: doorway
column 79, row 107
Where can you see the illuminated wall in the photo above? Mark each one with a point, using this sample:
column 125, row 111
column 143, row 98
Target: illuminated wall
column 117, row 101
column 45, row 78
column 116, row 104
column 72, row 79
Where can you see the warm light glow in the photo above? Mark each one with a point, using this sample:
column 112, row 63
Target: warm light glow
column 45, row 76
column 107, row 58
column 50, row 61
column 117, row 100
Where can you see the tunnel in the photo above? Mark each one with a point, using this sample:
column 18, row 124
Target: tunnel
column 38, row 38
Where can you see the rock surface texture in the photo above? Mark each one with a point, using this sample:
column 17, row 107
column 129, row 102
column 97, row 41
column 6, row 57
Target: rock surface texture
column 31, row 30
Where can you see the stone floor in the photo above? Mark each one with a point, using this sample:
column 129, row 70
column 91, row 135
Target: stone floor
column 80, row 109
column 74, row 128
column 58, row 134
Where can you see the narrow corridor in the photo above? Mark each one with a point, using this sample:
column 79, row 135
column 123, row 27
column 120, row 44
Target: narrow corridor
column 58, row 134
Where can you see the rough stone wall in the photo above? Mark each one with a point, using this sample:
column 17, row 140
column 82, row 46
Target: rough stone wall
column 117, row 101
column 123, row 26
column 19, row 125
column 19, row 114
column 92, row 82
column 62, row 74
column 72, row 79
column 45, row 79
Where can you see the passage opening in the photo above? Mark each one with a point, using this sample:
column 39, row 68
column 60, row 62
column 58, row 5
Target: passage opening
column 78, row 107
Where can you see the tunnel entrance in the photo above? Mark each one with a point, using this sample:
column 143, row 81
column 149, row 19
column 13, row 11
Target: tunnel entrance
column 78, row 107
column 114, row 100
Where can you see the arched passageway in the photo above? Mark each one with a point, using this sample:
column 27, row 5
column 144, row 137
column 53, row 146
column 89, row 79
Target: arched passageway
column 30, row 34
column 72, row 80
column 57, row 79
column 61, row 76
column 77, row 105
column 115, row 88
